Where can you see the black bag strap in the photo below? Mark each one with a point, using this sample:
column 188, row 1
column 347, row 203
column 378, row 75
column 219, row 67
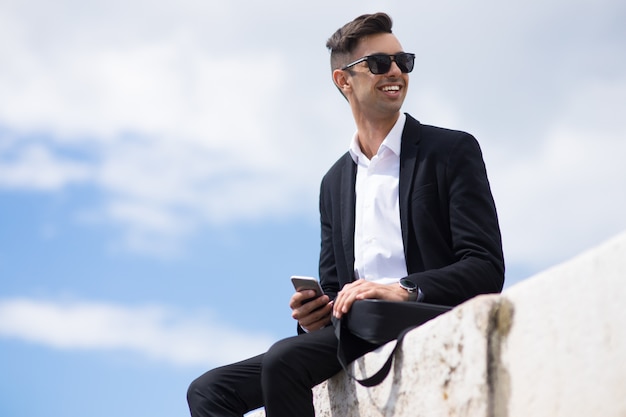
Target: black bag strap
column 382, row 373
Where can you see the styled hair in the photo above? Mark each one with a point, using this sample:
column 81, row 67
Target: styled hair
column 345, row 40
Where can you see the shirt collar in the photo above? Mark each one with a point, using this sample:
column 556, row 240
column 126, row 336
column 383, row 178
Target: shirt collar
column 392, row 142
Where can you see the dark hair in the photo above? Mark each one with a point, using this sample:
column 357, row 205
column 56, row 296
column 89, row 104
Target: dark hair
column 345, row 39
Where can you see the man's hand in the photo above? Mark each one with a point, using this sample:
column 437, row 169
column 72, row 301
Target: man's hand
column 362, row 290
column 312, row 315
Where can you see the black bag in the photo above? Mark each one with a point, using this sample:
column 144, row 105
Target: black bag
column 379, row 322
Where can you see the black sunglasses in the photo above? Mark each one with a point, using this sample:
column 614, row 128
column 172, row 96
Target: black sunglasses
column 381, row 63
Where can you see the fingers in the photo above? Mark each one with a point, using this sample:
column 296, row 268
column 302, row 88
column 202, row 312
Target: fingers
column 300, row 298
column 348, row 295
column 313, row 314
column 317, row 319
column 362, row 290
column 301, row 307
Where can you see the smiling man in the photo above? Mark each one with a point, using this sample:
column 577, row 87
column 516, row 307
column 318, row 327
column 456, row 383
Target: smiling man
column 406, row 215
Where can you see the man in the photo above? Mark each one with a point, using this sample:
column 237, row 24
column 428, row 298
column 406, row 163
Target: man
column 406, row 215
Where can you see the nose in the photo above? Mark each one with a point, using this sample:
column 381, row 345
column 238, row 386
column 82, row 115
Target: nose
column 394, row 69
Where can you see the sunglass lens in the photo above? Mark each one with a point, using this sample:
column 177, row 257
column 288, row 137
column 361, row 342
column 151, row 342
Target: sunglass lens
column 379, row 64
column 405, row 62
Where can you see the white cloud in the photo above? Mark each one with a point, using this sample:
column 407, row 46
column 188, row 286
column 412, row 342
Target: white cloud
column 36, row 167
column 565, row 195
column 179, row 131
column 150, row 331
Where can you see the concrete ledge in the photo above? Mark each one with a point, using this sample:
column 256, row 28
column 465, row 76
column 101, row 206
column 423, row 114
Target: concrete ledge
column 441, row 368
column 566, row 352
column 553, row 345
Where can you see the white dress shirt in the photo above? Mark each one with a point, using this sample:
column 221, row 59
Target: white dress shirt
column 378, row 245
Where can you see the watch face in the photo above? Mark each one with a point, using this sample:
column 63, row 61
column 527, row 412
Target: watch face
column 408, row 285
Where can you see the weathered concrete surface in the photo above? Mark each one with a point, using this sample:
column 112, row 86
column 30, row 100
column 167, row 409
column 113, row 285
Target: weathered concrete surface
column 441, row 370
column 553, row 345
column 566, row 352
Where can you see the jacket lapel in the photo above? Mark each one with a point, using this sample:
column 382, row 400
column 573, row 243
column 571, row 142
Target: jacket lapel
column 408, row 165
column 348, row 201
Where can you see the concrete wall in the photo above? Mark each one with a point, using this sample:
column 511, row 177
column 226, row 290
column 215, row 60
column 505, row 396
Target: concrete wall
column 566, row 352
column 553, row 345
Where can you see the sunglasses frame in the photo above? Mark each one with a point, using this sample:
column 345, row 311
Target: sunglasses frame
column 391, row 57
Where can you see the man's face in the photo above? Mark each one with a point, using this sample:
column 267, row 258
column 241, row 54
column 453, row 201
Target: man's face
column 372, row 95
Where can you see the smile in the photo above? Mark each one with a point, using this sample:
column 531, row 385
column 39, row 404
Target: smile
column 391, row 88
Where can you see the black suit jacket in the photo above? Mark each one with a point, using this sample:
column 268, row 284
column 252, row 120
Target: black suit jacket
column 449, row 224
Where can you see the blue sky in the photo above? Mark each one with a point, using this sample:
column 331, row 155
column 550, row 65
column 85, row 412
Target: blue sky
column 160, row 166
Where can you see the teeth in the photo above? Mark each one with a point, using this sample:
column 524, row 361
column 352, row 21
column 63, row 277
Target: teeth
column 391, row 88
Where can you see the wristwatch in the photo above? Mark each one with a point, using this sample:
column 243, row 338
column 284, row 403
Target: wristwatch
column 411, row 288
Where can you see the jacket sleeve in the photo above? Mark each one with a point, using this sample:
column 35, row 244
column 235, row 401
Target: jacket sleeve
column 328, row 263
column 457, row 249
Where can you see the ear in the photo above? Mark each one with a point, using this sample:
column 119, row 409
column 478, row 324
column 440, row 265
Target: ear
column 341, row 80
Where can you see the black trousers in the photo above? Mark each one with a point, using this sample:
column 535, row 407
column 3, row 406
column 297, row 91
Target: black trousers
column 280, row 379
